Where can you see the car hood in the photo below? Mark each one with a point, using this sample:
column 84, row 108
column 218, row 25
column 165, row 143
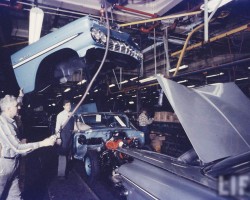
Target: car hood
column 216, row 118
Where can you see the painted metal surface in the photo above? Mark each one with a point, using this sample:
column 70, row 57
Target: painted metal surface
column 75, row 36
column 214, row 117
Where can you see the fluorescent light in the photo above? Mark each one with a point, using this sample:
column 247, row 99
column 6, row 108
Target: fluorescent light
column 81, row 82
column 191, row 86
column 112, row 85
column 123, row 82
column 120, row 95
column 96, row 90
column 183, row 81
column 131, row 102
column 220, row 74
column 134, row 96
column 67, row 89
column 248, row 67
column 133, row 78
column 53, row 104
column 35, row 24
column 239, row 79
column 212, row 4
column 151, row 78
column 181, row 67
column 111, row 98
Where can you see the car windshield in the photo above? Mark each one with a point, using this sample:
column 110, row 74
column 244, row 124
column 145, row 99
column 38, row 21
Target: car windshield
column 103, row 120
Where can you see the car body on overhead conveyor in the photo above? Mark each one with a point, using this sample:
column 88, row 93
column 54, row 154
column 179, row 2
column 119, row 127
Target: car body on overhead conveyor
column 216, row 120
column 76, row 47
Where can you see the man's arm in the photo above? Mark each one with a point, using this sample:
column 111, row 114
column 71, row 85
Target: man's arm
column 14, row 143
column 58, row 123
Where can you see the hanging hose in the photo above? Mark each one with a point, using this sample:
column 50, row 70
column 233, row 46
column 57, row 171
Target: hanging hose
column 94, row 77
column 185, row 46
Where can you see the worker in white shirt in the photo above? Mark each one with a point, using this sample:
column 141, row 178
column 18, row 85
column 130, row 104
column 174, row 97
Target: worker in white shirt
column 65, row 131
column 144, row 122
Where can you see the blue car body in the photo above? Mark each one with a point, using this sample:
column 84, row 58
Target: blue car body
column 77, row 37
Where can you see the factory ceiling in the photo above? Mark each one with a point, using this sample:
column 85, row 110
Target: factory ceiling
column 172, row 37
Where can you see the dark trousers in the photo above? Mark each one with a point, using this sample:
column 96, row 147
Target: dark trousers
column 146, row 131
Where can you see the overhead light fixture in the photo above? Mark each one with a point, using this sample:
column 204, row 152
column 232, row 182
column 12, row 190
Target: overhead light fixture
column 112, row 85
column 248, row 67
column 177, row 41
column 96, row 90
column 181, row 67
column 213, row 4
column 58, row 95
column 123, row 82
column 63, row 80
column 133, row 78
column 67, row 89
column 120, row 95
column 131, row 102
column 151, row 78
column 239, row 79
column 191, row 86
column 210, row 76
column 81, row 82
column 134, row 96
column 35, row 24
column 183, row 81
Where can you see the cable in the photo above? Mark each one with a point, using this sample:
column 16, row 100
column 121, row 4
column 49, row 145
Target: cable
column 97, row 72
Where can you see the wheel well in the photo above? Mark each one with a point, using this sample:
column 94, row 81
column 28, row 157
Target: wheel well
column 45, row 73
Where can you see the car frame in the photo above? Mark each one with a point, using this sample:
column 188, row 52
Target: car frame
column 96, row 145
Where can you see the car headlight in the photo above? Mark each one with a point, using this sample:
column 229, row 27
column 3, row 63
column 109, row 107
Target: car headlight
column 103, row 37
column 98, row 35
column 95, row 34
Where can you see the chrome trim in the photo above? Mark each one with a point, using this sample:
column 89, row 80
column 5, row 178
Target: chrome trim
column 45, row 51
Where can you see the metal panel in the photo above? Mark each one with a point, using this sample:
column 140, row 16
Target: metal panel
column 214, row 117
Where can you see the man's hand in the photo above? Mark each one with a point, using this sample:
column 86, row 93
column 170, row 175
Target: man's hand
column 21, row 94
column 58, row 141
column 50, row 141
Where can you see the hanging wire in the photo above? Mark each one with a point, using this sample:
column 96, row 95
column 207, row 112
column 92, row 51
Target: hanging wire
column 118, row 85
column 155, row 53
column 165, row 42
column 94, row 77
